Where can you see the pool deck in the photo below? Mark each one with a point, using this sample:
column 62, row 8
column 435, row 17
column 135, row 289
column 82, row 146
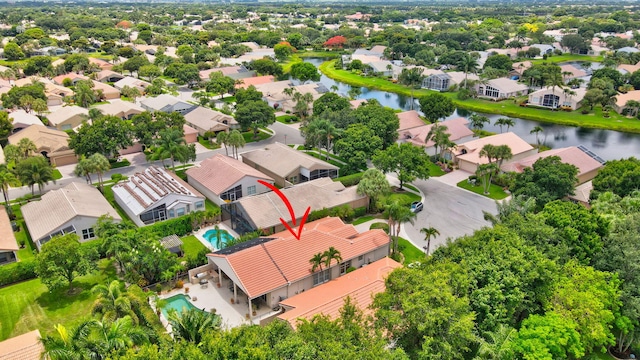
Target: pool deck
column 200, row 234
column 210, row 296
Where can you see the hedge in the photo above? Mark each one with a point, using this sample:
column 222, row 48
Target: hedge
column 16, row 272
column 180, row 226
column 350, row 180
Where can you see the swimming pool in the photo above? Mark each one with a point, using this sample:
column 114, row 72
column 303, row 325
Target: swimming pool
column 177, row 303
column 212, row 237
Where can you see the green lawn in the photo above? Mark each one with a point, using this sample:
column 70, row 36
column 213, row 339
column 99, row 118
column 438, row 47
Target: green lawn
column 410, row 252
column 495, row 191
column 249, row 137
column 22, row 236
column 320, row 54
column 211, row 145
column 286, row 66
column 567, row 57
column 362, row 220
column 56, row 174
column 435, row 170
column 191, row 246
column 119, row 164
column 210, row 205
column 287, row 119
column 29, row 305
column 507, row 108
column 108, row 194
column 405, row 198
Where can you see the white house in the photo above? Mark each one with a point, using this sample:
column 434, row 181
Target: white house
column 500, row 89
column 156, row 195
column 74, row 208
column 223, row 179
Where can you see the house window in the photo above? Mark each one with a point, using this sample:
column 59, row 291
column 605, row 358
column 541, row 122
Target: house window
column 180, row 211
column 172, row 214
column 156, row 214
column 199, row 205
column 491, row 92
column 65, row 127
column 293, row 179
column 88, row 234
column 321, row 277
column 344, row 266
column 320, row 173
column 251, row 190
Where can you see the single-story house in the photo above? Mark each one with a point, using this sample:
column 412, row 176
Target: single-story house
column 257, row 80
column 49, row 51
column 265, row 210
column 622, row 99
column 166, row 103
column 467, row 155
column 108, row 92
column 557, row 98
column 457, row 129
column 74, row 208
column 20, row 119
column 545, row 49
column 8, row 244
column 235, row 72
column 206, row 120
column 327, row 299
column 224, row 179
column 68, row 117
column 23, row 347
column 500, row 89
column 156, row 195
column 56, row 93
column 273, row 93
column 517, row 69
column 264, row 270
column 131, row 82
column 120, row 108
column 442, row 81
column 582, row 194
column 588, row 165
column 52, row 144
column 628, row 50
column 102, row 64
column 74, row 77
column 409, row 119
column 107, row 76
column 298, row 167
column 570, row 72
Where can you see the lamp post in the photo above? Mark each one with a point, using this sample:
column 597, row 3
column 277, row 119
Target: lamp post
column 285, row 139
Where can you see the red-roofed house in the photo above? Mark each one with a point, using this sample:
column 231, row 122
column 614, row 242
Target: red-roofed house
column 223, row 179
column 257, row 80
column 267, row 273
column 587, row 165
column 457, row 129
column 360, row 285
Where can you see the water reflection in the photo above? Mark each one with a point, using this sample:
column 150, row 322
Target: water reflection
column 607, row 144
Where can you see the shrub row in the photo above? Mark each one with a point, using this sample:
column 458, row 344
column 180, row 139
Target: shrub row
column 16, row 272
column 345, row 212
column 350, row 180
column 180, row 226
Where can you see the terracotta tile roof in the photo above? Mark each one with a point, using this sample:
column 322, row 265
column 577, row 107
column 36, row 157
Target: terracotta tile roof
column 60, row 78
column 58, row 207
column 621, row 99
column 569, row 155
column 47, row 139
column 270, row 265
column 7, row 237
column 22, row 347
column 473, row 147
column 271, row 158
column 265, row 210
column 257, row 80
column 327, row 299
column 219, row 173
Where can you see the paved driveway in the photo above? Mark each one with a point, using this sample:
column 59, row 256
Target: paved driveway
column 453, row 211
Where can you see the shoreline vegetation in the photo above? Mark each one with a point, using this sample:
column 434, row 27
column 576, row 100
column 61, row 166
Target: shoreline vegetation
column 575, row 118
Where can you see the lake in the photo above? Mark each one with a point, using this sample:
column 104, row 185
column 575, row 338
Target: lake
column 608, row 144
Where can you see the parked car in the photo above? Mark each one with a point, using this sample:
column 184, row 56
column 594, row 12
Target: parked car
column 416, row 206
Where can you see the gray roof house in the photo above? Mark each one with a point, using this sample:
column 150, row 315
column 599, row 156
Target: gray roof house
column 500, row 89
column 156, row 195
column 166, row 103
column 131, row 82
column 206, row 120
column 288, row 166
column 74, row 208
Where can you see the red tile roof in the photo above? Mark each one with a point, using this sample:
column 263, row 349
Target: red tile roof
column 271, row 265
column 257, row 80
column 327, row 299
column 219, row 172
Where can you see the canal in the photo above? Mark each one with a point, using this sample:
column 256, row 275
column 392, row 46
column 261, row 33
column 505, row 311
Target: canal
column 608, row 144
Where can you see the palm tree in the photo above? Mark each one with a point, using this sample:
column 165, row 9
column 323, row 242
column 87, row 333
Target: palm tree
column 412, row 78
column 113, row 302
column 354, row 92
column 469, row 63
column 489, row 151
column 508, row 122
column 494, row 345
column 397, row 214
column 84, row 93
column 223, row 139
column 35, row 171
column 121, row 334
column 236, row 140
column 84, row 168
column 99, row 164
column 70, row 344
column 170, row 143
column 330, row 255
column 373, row 184
column 502, row 153
column 26, row 147
column 478, row 121
column 429, row 233
column 302, row 103
column 537, row 130
column 316, row 262
column 7, row 178
column 485, row 172
column 39, row 106
column 634, row 105
column 191, row 325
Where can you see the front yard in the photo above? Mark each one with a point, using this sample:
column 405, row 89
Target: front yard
column 495, row 191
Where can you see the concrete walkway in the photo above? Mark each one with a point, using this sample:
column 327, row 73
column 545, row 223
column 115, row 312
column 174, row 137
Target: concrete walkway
column 453, row 178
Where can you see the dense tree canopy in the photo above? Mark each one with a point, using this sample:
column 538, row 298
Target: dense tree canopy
column 621, row 177
column 547, row 180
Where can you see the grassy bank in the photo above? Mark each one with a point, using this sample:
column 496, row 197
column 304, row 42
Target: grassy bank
column 507, row 108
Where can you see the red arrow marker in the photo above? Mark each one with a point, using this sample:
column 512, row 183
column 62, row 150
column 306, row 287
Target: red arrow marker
column 291, row 213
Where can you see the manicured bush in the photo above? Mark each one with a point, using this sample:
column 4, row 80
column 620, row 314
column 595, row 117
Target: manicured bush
column 20, row 271
column 380, row 225
column 359, row 212
column 94, row 247
column 350, row 180
column 180, row 226
column 350, row 269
